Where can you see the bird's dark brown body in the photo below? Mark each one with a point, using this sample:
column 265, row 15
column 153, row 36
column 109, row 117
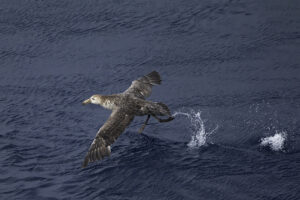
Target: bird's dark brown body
column 133, row 105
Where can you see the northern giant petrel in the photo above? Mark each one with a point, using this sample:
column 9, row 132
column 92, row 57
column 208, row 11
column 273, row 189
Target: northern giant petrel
column 124, row 107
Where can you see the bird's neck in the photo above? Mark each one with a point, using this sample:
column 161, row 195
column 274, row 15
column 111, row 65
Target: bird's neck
column 107, row 102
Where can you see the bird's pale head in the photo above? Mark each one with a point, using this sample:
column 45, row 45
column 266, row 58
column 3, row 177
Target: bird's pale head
column 95, row 99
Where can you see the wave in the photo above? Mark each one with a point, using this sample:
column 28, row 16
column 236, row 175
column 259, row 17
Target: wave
column 275, row 142
column 199, row 132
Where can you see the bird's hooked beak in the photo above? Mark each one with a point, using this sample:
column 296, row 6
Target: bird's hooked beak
column 86, row 101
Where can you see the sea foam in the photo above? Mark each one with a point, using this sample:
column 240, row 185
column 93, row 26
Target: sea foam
column 199, row 133
column 275, row 142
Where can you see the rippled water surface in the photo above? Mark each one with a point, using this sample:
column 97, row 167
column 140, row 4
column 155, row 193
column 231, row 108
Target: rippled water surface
column 230, row 73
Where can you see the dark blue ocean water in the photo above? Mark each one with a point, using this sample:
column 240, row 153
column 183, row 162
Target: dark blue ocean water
column 231, row 75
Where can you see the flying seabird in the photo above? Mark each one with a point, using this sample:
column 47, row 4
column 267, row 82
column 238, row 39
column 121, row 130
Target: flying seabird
column 124, row 107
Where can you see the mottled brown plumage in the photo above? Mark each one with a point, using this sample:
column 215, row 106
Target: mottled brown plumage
column 124, row 107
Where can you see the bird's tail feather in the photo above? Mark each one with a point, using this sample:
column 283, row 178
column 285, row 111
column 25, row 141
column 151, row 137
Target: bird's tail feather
column 164, row 108
column 159, row 109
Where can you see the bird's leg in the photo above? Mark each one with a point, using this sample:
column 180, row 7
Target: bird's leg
column 163, row 120
column 144, row 125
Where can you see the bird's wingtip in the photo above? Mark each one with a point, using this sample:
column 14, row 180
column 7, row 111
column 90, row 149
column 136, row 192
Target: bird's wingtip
column 85, row 162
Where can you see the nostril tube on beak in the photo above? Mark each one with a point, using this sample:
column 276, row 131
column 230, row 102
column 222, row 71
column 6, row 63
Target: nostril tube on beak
column 86, row 102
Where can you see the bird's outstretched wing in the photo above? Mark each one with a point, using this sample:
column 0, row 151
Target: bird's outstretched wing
column 142, row 87
column 107, row 134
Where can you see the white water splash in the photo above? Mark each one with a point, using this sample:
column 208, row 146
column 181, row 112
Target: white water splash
column 199, row 135
column 276, row 142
